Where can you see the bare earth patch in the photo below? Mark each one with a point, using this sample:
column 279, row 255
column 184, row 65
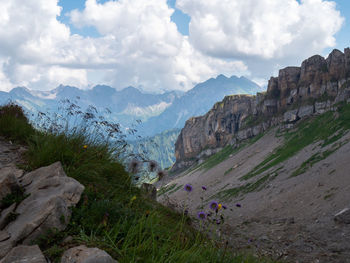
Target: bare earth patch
column 285, row 214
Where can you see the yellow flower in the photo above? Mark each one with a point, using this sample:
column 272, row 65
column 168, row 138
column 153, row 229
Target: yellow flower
column 133, row 198
column 85, row 146
column 219, row 206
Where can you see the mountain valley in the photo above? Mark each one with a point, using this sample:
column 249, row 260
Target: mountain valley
column 278, row 161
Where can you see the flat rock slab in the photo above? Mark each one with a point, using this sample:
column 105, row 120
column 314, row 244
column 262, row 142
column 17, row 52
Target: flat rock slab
column 24, row 254
column 51, row 193
column 83, row 254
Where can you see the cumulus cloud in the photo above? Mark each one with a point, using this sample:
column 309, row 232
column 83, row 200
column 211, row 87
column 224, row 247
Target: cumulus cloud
column 264, row 28
column 152, row 53
column 139, row 44
column 33, row 44
column 265, row 34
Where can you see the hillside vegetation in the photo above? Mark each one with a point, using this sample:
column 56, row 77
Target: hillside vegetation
column 289, row 181
column 112, row 214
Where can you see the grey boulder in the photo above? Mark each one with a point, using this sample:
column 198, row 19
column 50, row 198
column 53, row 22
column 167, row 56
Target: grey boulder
column 24, row 254
column 83, row 254
column 51, row 194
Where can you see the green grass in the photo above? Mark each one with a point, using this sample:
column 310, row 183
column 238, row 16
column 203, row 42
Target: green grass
column 176, row 189
column 16, row 129
column 247, row 188
column 324, row 128
column 224, row 154
column 166, row 189
column 112, row 214
column 314, row 159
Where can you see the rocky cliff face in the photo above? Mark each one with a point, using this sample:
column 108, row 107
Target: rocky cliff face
column 297, row 92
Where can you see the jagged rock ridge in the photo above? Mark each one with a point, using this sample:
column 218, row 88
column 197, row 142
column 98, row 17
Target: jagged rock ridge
column 297, row 92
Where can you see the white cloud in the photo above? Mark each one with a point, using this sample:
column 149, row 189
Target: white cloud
column 33, row 44
column 140, row 45
column 264, row 28
column 263, row 33
column 152, row 53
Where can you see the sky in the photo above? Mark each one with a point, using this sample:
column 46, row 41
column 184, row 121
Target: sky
column 160, row 45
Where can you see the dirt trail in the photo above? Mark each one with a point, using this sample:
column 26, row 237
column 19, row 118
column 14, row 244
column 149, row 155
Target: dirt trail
column 10, row 154
column 289, row 218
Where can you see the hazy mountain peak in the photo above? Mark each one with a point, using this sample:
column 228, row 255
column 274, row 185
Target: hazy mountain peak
column 221, row 77
column 131, row 90
column 103, row 88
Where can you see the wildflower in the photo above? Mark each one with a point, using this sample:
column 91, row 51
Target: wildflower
column 204, row 188
column 201, row 215
column 85, row 146
column 238, row 205
column 188, row 187
column 213, row 205
column 152, row 166
column 134, row 166
column 186, row 212
column 219, row 206
column 133, row 198
column 224, row 206
column 218, row 222
column 105, row 219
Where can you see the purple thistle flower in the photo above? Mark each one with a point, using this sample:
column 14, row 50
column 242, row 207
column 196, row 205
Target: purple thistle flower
column 134, row 166
column 188, row 188
column 152, row 166
column 238, row 205
column 201, row 215
column 218, row 222
column 186, row 212
column 204, row 188
column 214, row 205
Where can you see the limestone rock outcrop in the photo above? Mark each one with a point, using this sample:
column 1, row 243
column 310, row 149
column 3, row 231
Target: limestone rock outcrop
column 296, row 93
column 24, row 254
column 49, row 193
column 83, row 254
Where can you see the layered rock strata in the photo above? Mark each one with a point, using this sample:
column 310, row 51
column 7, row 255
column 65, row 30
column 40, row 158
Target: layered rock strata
column 49, row 194
column 296, row 93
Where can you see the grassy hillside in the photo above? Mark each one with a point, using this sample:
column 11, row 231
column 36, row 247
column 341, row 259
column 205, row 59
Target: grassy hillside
column 326, row 129
column 112, row 213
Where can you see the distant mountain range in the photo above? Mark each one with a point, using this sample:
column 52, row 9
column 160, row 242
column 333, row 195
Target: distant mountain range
column 198, row 101
column 158, row 112
column 126, row 105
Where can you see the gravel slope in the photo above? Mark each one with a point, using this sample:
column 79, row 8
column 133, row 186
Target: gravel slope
column 289, row 218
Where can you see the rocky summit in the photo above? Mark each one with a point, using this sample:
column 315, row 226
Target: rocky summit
column 296, row 93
